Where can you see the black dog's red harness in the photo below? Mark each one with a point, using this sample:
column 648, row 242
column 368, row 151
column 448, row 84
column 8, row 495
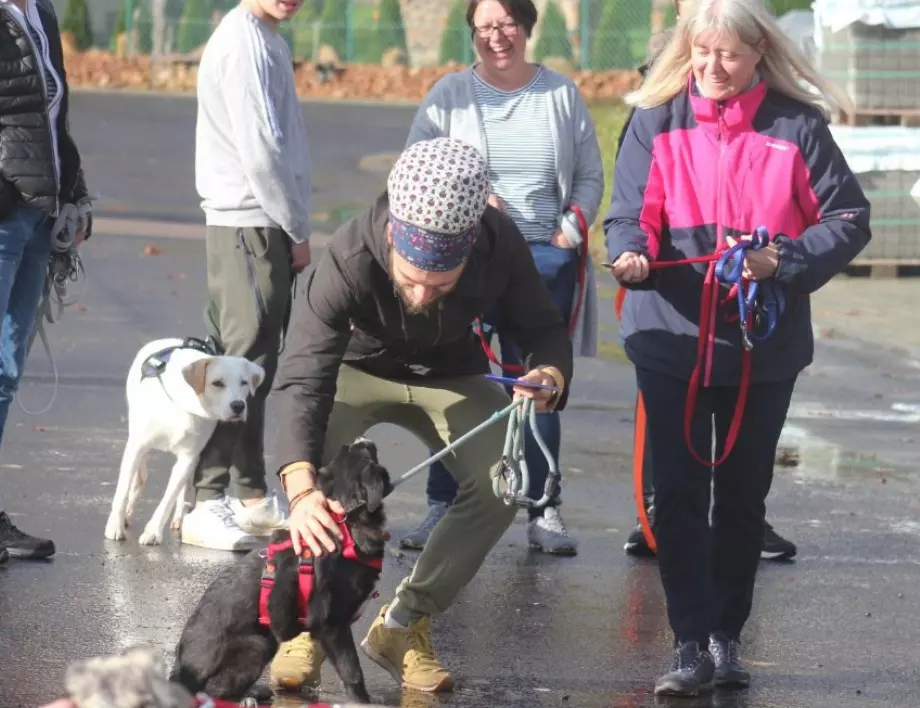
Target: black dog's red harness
column 305, row 576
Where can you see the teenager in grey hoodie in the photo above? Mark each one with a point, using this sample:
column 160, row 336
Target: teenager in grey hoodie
column 252, row 171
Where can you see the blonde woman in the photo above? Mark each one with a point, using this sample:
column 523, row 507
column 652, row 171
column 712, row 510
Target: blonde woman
column 724, row 140
column 774, row 546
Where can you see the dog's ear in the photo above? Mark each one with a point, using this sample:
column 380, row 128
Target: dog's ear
column 374, row 482
column 196, row 374
column 258, row 375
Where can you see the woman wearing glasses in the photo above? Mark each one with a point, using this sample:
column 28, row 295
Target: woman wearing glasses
column 533, row 127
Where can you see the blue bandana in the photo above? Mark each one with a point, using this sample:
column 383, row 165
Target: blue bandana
column 429, row 250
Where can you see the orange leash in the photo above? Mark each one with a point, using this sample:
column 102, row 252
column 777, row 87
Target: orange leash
column 639, row 472
column 638, row 447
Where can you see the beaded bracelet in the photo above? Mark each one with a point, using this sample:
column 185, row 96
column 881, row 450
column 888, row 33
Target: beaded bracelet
column 301, row 495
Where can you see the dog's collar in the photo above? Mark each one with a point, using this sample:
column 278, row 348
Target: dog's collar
column 155, row 364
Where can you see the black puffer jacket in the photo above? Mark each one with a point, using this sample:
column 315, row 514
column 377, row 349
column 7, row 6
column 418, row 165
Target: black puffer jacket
column 27, row 165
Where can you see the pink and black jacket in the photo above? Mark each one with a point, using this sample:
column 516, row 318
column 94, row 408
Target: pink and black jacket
column 692, row 172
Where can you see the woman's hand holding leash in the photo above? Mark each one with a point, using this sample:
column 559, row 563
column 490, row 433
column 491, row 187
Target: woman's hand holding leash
column 759, row 264
column 630, row 267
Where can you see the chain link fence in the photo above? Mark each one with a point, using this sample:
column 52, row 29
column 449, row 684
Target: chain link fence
column 587, row 34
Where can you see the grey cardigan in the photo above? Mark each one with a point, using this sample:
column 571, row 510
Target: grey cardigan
column 450, row 109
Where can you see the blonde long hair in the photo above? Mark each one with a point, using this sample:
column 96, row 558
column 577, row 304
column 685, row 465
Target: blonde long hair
column 781, row 67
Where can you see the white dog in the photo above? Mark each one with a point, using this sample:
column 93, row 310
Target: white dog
column 176, row 393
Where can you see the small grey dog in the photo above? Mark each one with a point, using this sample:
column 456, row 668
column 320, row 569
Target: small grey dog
column 135, row 678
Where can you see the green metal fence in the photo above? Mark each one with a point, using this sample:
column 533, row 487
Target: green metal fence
column 589, row 34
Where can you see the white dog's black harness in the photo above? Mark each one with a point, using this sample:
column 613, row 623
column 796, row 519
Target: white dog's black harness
column 155, row 364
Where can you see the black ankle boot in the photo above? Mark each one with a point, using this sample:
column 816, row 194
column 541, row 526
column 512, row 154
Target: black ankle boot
column 726, row 654
column 692, row 674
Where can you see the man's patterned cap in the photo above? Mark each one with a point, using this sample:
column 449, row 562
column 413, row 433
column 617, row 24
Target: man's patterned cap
column 440, row 185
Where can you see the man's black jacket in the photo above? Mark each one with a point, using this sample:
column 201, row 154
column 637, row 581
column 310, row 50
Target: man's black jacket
column 350, row 312
column 27, row 165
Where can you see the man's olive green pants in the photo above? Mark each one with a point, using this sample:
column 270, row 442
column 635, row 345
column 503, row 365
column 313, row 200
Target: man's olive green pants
column 249, row 287
column 437, row 412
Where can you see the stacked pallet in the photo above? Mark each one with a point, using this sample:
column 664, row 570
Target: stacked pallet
column 871, row 48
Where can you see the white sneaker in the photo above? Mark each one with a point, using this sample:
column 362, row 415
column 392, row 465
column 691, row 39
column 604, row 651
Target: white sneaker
column 212, row 524
column 262, row 518
column 548, row 533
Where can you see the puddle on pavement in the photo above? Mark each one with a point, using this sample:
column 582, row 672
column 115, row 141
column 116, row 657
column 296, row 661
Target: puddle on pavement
column 812, row 458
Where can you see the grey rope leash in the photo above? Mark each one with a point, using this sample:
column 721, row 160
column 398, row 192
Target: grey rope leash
column 64, row 266
column 513, row 470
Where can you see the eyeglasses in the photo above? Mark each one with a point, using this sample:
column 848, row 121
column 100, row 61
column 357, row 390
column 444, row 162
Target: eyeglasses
column 508, row 28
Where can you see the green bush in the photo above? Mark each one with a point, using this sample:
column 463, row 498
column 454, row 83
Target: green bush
column 455, row 38
column 334, row 28
column 194, row 25
column 781, row 7
column 144, row 29
column 622, row 33
column 554, row 35
column 390, row 29
column 118, row 28
column 77, row 22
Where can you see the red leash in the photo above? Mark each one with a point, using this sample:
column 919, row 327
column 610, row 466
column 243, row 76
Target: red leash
column 581, row 279
column 707, row 311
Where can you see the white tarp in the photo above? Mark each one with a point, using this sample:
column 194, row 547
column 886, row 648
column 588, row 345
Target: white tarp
column 838, row 14
column 879, row 148
column 799, row 26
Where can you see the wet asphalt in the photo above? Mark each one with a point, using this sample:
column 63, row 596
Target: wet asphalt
column 837, row 628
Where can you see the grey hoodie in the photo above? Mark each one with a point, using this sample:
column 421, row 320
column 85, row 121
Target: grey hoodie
column 252, row 162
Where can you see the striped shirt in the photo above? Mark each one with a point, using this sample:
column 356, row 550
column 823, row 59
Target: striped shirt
column 522, row 156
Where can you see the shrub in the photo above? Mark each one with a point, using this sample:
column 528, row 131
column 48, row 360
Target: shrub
column 455, row 38
column 554, row 35
column 390, row 29
column 77, row 22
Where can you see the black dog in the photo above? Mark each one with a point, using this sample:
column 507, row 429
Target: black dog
column 224, row 647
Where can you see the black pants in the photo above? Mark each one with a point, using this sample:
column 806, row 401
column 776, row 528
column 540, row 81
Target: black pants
column 708, row 573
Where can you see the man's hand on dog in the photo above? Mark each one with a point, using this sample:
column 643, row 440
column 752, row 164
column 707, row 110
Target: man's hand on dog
column 311, row 524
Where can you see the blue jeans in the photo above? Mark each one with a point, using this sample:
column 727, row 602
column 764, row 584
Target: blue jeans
column 559, row 269
column 25, row 246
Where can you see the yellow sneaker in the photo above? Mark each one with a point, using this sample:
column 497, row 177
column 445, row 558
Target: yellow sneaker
column 407, row 654
column 297, row 664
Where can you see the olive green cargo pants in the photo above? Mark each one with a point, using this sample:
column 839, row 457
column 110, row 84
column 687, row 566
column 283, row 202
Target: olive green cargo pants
column 437, row 412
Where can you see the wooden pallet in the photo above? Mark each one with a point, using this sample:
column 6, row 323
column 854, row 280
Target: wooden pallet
column 881, row 116
column 884, row 268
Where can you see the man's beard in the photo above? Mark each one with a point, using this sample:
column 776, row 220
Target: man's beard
column 404, row 293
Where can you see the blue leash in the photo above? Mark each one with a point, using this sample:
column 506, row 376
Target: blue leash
column 764, row 298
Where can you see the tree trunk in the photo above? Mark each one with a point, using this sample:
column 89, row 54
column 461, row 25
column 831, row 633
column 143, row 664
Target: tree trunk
column 158, row 32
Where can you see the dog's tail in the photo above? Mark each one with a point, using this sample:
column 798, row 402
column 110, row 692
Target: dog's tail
column 284, row 600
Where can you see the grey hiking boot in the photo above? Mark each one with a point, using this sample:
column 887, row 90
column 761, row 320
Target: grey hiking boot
column 693, row 672
column 548, row 534
column 726, row 654
column 418, row 537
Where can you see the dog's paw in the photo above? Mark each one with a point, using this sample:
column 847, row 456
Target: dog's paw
column 150, row 537
column 115, row 531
